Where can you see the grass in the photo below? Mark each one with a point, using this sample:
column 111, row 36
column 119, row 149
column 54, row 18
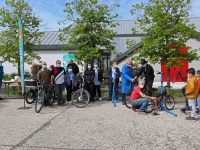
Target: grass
column 176, row 93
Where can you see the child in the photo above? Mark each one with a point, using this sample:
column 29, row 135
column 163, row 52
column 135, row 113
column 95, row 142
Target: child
column 198, row 98
column 191, row 92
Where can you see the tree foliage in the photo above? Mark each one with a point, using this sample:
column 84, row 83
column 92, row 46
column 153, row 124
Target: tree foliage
column 167, row 29
column 9, row 39
column 166, row 22
column 91, row 29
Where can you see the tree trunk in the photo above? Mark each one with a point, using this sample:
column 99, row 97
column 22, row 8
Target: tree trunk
column 168, row 79
column 18, row 69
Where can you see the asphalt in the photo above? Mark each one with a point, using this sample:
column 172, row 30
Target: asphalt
column 99, row 126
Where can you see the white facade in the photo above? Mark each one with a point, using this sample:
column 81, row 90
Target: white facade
column 49, row 56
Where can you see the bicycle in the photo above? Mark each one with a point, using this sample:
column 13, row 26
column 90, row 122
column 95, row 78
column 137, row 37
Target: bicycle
column 31, row 95
column 168, row 100
column 128, row 104
column 80, row 97
column 184, row 79
column 44, row 93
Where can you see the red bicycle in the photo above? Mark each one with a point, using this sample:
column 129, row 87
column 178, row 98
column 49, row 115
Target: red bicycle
column 183, row 78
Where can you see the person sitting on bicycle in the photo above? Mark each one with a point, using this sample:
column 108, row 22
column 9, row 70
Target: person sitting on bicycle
column 44, row 75
column 148, row 75
column 138, row 99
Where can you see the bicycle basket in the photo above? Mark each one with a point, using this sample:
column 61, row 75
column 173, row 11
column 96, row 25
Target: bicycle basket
column 78, row 79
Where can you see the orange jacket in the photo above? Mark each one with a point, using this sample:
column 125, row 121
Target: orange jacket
column 192, row 88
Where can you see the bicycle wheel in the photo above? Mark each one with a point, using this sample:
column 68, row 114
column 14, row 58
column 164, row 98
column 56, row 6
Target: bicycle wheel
column 169, row 102
column 150, row 106
column 127, row 99
column 175, row 78
column 31, row 96
column 39, row 102
column 80, row 98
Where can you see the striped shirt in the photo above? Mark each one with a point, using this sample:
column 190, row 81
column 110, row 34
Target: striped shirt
column 58, row 73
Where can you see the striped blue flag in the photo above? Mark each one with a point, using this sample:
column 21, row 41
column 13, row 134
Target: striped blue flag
column 21, row 51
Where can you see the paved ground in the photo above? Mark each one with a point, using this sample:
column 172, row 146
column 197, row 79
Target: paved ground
column 98, row 126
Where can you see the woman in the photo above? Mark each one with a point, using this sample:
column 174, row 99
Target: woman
column 89, row 75
column 97, row 81
column 70, row 83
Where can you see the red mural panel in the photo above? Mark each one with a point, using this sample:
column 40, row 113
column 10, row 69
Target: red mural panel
column 173, row 71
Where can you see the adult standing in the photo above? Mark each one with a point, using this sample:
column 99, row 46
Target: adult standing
column 70, row 84
column 44, row 75
column 74, row 67
column 127, row 78
column 113, row 76
column 58, row 77
column 1, row 77
column 97, row 81
column 148, row 75
column 89, row 75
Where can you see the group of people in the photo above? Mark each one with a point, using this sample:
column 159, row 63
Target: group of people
column 65, row 77
column 138, row 98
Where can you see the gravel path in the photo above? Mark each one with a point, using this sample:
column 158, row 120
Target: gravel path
column 98, row 126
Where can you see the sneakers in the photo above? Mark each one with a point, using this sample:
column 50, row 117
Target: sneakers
column 142, row 113
column 191, row 119
column 133, row 108
column 1, row 98
column 100, row 98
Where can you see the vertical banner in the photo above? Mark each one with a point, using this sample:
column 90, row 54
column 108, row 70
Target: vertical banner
column 21, row 51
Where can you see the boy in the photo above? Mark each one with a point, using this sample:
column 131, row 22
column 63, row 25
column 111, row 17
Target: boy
column 191, row 92
column 198, row 98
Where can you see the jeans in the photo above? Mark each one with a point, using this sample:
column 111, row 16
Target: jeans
column 142, row 102
column 192, row 103
column 59, row 90
column 111, row 86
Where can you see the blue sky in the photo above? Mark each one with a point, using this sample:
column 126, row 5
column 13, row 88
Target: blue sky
column 51, row 11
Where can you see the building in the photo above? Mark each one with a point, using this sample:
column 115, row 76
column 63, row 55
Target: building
column 50, row 49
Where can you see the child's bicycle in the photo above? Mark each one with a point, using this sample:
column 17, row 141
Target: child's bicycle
column 168, row 100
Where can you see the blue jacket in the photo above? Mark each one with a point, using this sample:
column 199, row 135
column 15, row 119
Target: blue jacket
column 1, row 72
column 127, row 75
column 68, row 76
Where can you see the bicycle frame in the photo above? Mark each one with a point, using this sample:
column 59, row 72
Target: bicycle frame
column 179, row 74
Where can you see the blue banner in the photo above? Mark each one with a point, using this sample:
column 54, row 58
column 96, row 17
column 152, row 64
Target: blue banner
column 21, row 51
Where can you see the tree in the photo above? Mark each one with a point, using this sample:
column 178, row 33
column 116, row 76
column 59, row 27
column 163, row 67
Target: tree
column 167, row 29
column 9, row 39
column 91, row 29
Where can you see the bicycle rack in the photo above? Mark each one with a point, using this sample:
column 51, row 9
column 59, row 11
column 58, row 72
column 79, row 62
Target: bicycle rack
column 161, row 107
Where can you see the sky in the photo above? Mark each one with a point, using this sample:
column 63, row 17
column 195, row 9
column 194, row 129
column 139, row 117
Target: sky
column 51, row 11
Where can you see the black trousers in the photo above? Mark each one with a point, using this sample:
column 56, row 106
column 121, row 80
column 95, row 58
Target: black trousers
column 90, row 89
column 97, row 88
column 69, row 91
column 149, row 84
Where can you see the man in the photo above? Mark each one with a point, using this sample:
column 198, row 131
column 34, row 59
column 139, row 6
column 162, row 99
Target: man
column 113, row 76
column 58, row 76
column 1, row 76
column 138, row 99
column 127, row 78
column 148, row 75
column 75, row 68
column 44, row 75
